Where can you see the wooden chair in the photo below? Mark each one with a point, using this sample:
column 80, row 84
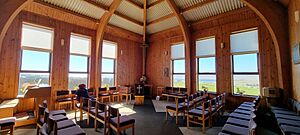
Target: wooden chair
column 101, row 115
column 40, row 119
column 63, row 98
column 91, row 109
column 199, row 116
column 119, row 123
column 73, row 97
column 103, row 94
column 82, row 106
column 7, row 124
column 92, row 92
column 125, row 91
column 175, row 109
column 114, row 93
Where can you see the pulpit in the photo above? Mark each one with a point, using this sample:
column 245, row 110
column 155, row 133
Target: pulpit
column 39, row 94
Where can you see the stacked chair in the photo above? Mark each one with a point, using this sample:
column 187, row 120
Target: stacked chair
column 110, row 118
column 288, row 119
column 57, row 122
column 241, row 120
column 205, row 109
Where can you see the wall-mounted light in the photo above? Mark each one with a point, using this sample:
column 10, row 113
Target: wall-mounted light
column 121, row 52
column 222, row 45
column 62, row 42
column 297, row 16
column 166, row 53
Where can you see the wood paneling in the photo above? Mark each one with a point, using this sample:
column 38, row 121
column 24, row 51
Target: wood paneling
column 128, row 65
column 294, row 35
column 221, row 27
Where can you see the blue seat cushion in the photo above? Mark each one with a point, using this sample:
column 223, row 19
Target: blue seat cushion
column 197, row 112
column 124, row 121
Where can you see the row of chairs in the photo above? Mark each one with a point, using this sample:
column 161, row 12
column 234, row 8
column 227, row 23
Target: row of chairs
column 288, row 119
column 184, row 103
column 101, row 113
column 66, row 97
column 207, row 110
column 56, row 121
column 241, row 120
column 173, row 91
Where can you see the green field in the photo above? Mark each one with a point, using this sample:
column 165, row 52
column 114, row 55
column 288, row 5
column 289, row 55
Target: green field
column 238, row 89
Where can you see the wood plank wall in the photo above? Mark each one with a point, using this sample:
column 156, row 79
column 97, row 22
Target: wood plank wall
column 294, row 29
column 127, row 64
column 221, row 27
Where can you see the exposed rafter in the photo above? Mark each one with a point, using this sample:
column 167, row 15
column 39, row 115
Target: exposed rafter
column 116, row 12
column 187, row 41
column 200, row 4
column 135, row 4
column 154, row 3
column 161, row 19
column 65, row 10
column 99, row 40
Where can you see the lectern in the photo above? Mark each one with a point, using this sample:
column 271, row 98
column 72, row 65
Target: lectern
column 39, row 94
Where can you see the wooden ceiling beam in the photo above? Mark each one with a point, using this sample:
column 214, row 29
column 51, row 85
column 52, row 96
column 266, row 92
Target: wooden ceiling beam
column 187, row 42
column 129, row 18
column 200, row 4
column 154, row 3
column 99, row 42
column 65, row 10
column 162, row 18
column 135, row 4
column 104, row 7
column 116, row 12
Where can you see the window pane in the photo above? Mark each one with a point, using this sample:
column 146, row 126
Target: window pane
column 244, row 42
column 207, row 65
column 108, row 65
column 78, row 63
column 178, row 80
column 36, row 37
column 207, row 82
column 80, row 45
column 246, row 84
column 109, row 50
column 177, row 51
column 35, row 61
column 32, row 78
column 179, row 66
column 76, row 79
column 245, row 63
column 107, row 80
column 205, row 47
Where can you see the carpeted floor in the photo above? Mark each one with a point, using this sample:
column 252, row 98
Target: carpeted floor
column 150, row 120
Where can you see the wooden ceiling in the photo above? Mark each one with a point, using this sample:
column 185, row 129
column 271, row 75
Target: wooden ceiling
column 130, row 13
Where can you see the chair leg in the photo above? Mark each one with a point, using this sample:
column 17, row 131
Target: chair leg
column 166, row 114
column 133, row 129
column 81, row 114
column 105, row 128
column 75, row 114
column 176, row 118
column 188, row 122
column 95, row 124
column 37, row 130
column 11, row 130
column 203, row 126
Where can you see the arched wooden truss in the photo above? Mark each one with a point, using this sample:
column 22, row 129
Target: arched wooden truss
column 271, row 13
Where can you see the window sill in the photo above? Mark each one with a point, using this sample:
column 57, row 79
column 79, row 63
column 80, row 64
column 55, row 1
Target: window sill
column 242, row 95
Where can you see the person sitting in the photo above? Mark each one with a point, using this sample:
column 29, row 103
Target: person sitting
column 82, row 92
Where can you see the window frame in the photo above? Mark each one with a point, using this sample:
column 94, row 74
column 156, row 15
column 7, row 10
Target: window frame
column 82, row 55
column 114, row 73
column 172, row 63
column 198, row 63
column 50, row 51
column 233, row 73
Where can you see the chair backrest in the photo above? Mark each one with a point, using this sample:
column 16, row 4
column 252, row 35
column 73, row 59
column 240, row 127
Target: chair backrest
column 102, row 89
column 73, row 92
column 112, row 88
column 168, row 88
column 114, row 112
column 62, row 93
column 41, row 111
column 183, row 90
column 124, row 89
column 176, row 89
column 91, row 91
column 101, row 106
